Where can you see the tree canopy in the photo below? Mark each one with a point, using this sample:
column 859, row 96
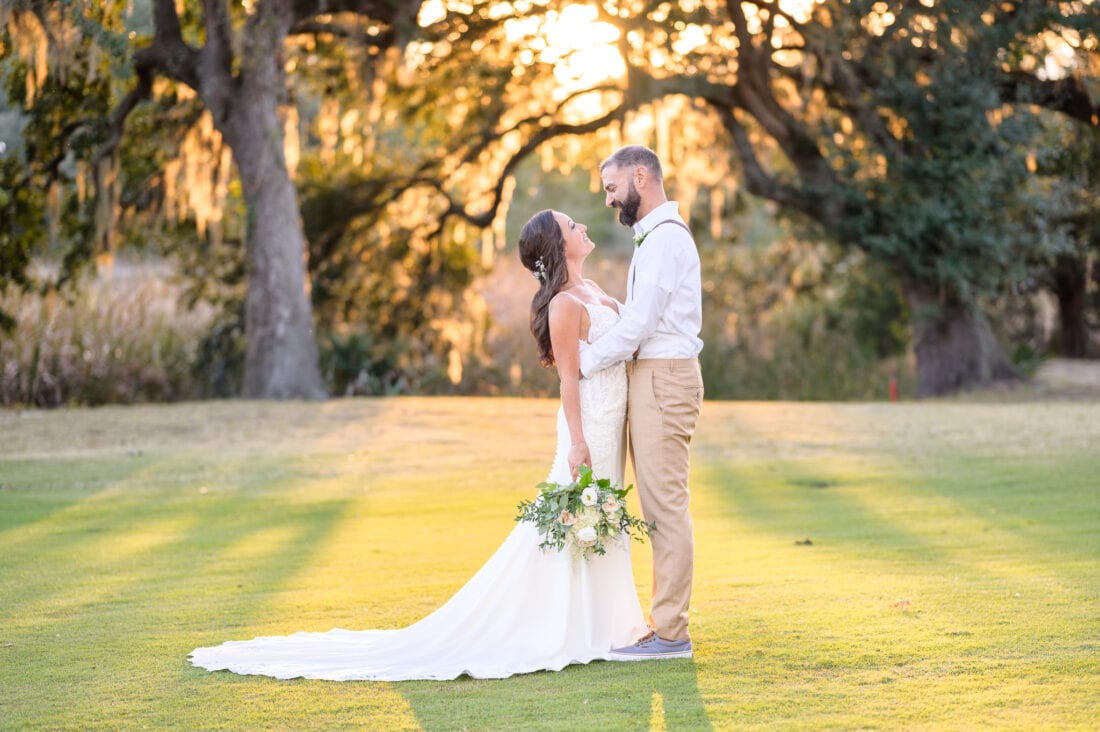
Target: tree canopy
column 893, row 125
column 392, row 131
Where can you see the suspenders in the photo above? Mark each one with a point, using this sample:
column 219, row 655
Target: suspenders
column 681, row 224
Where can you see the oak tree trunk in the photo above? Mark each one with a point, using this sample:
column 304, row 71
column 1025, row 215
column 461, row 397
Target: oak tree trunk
column 1070, row 287
column 281, row 359
column 955, row 346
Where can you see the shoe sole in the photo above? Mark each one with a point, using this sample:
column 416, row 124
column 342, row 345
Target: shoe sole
column 648, row 656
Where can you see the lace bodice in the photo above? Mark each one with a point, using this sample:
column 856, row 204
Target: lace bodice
column 603, row 410
column 603, row 318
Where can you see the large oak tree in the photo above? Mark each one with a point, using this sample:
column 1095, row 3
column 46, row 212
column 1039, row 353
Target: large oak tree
column 238, row 73
column 233, row 56
column 892, row 124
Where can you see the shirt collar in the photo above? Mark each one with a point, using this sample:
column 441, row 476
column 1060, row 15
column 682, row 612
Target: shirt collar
column 667, row 210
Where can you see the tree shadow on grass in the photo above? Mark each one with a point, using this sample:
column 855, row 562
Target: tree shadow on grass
column 981, row 580
column 130, row 534
column 889, row 516
column 600, row 695
column 103, row 587
column 26, row 497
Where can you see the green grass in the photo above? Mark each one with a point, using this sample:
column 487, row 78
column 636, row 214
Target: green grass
column 950, row 580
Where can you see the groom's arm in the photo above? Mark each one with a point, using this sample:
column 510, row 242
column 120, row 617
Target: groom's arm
column 638, row 321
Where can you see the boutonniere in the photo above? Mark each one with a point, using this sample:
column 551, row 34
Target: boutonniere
column 639, row 238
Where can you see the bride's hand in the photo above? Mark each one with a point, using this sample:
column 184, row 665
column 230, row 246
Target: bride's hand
column 578, row 455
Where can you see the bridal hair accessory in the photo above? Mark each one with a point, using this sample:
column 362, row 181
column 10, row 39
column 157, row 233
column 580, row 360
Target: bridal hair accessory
column 583, row 514
column 540, row 270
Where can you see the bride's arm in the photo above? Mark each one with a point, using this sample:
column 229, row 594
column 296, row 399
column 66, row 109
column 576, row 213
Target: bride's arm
column 566, row 319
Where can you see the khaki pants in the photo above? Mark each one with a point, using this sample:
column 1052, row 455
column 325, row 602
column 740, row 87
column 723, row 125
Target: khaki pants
column 663, row 406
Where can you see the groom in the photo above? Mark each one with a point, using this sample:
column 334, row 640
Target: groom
column 658, row 335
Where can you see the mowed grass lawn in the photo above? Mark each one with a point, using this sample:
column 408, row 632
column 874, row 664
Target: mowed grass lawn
column 916, row 565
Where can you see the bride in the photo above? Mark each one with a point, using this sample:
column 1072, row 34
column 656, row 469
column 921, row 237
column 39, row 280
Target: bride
column 526, row 609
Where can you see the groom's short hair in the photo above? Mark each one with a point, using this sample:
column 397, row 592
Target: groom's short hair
column 634, row 155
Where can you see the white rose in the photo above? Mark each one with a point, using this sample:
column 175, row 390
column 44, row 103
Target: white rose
column 586, row 536
column 590, row 496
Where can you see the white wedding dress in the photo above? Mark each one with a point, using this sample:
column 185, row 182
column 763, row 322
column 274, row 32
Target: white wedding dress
column 525, row 610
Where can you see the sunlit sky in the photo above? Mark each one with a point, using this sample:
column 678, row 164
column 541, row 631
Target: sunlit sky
column 581, row 48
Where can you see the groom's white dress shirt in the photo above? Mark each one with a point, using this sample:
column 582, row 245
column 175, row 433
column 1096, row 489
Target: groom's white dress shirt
column 664, row 302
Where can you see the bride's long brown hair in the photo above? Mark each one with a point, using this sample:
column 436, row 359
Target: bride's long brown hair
column 542, row 250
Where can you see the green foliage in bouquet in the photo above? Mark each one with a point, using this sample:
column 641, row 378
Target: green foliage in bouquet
column 582, row 514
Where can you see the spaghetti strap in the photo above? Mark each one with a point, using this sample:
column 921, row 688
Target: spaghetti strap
column 681, row 224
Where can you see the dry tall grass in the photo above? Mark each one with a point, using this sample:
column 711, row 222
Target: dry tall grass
column 119, row 336
column 124, row 336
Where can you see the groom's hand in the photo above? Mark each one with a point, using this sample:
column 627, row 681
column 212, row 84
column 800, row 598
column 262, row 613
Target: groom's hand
column 578, row 455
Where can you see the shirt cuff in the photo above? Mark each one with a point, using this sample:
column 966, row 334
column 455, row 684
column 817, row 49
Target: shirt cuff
column 586, row 363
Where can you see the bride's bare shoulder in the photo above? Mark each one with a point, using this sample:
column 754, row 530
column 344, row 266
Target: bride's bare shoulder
column 568, row 316
column 566, row 304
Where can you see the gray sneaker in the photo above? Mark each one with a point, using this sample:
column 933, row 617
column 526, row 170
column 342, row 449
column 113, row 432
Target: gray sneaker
column 652, row 647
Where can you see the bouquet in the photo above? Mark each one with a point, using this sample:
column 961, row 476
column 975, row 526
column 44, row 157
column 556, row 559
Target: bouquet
column 582, row 514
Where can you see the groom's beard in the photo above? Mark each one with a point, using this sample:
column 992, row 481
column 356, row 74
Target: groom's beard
column 628, row 209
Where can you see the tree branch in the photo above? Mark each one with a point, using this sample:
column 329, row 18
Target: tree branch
column 399, row 15
column 215, row 60
column 491, row 135
column 485, row 218
column 117, row 124
column 352, row 32
column 755, row 95
column 758, row 181
column 217, row 53
column 850, row 96
column 261, row 57
column 1068, row 96
column 168, row 54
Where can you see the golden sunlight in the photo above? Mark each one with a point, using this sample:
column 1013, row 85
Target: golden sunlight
column 798, row 9
column 657, row 721
column 581, row 48
column 431, row 11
